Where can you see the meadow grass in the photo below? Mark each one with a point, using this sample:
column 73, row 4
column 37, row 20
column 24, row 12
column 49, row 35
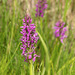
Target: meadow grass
column 55, row 58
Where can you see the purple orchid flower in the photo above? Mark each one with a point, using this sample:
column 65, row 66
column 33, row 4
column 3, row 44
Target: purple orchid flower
column 29, row 39
column 60, row 30
column 40, row 7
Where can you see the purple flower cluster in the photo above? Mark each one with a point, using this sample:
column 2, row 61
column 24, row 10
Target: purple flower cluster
column 40, row 7
column 29, row 39
column 60, row 30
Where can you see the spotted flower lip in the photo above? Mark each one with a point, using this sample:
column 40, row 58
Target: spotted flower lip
column 34, row 58
column 60, row 30
column 28, row 39
column 40, row 7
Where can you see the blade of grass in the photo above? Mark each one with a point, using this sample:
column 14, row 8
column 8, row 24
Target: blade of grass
column 11, row 57
column 71, row 68
column 67, row 63
column 68, row 2
column 53, row 71
column 43, row 73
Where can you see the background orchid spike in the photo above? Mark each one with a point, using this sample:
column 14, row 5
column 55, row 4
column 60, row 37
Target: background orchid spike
column 29, row 39
column 40, row 7
column 60, row 30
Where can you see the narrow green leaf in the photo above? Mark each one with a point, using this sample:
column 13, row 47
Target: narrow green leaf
column 46, row 51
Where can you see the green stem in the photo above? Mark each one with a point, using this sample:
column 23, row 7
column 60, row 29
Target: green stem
column 41, row 24
column 31, row 68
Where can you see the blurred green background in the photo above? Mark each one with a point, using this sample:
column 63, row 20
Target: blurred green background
column 55, row 58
